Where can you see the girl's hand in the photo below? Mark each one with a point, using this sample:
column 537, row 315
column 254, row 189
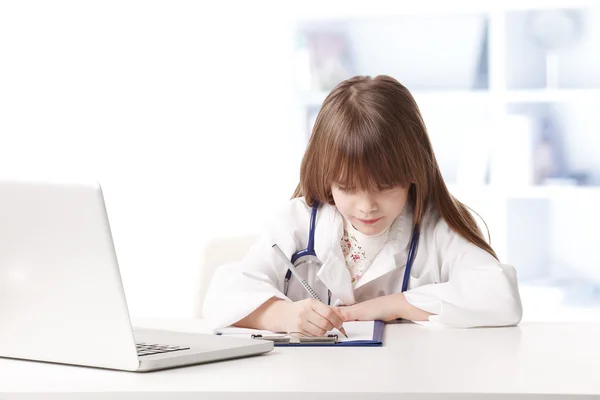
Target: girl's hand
column 380, row 308
column 311, row 317
column 348, row 313
column 384, row 308
column 360, row 312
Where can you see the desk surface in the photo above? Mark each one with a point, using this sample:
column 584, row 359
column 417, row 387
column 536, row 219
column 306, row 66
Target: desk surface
column 415, row 361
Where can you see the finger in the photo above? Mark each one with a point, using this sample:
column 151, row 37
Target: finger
column 329, row 314
column 305, row 331
column 312, row 330
column 301, row 333
column 316, row 319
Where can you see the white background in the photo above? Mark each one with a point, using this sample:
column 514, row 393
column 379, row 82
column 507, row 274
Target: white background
column 181, row 109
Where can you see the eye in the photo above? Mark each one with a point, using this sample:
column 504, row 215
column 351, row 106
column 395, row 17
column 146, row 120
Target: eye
column 345, row 189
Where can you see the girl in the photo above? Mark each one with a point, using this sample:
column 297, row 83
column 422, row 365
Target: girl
column 380, row 203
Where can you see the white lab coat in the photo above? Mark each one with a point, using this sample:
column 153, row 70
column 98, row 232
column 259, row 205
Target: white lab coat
column 463, row 285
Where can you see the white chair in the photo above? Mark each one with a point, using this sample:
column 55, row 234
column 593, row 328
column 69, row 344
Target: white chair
column 216, row 252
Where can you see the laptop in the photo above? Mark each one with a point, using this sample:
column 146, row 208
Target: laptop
column 61, row 294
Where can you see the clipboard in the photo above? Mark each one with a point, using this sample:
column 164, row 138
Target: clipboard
column 375, row 338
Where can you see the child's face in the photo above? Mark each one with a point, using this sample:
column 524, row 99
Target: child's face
column 370, row 212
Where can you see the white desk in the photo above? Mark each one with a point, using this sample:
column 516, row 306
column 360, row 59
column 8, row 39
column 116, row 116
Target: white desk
column 415, row 362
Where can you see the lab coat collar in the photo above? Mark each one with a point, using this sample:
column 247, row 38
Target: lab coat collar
column 393, row 253
column 334, row 272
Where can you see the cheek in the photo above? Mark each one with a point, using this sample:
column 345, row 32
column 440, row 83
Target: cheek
column 342, row 202
column 343, row 205
column 395, row 202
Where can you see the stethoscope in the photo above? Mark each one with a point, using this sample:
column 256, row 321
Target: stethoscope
column 309, row 257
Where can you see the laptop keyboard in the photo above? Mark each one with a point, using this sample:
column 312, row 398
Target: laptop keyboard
column 146, row 349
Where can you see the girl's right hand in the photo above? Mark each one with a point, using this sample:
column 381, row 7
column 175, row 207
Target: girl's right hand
column 311, row 317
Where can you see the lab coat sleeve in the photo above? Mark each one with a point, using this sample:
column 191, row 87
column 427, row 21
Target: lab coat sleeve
column 479, row 291
column 239, row 288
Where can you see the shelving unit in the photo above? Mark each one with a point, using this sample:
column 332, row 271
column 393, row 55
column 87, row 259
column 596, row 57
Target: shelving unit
column 552, row 95
column 468, row 61
column 485, row 87
column 529, row 192
column 315, row 99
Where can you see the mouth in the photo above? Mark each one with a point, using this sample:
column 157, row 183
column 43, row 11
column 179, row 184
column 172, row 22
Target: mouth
column 369, row 221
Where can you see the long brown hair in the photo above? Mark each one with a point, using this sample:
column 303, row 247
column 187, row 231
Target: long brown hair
column 370, row 134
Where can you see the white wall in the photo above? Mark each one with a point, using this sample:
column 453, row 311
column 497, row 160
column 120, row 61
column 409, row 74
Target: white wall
column 172, row 105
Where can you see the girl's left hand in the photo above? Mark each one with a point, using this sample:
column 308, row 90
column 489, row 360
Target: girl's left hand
column 382, row 308
column 347, row 313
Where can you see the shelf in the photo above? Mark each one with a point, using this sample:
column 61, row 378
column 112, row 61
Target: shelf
column 510, row 96
column 316, row 99
column 313, row 10
column 531, row 192
column 551, row 95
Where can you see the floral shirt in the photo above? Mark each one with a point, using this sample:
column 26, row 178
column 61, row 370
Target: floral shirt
column 360, row 250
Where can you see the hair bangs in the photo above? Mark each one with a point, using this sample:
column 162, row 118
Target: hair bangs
column 370, row 135
column 362, row 160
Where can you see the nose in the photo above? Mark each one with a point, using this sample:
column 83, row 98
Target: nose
column 367, row 203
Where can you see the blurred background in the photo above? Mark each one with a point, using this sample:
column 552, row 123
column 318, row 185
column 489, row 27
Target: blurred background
column 194, row 118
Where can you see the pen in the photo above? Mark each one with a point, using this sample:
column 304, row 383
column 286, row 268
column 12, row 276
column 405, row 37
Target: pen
column 304, row 284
